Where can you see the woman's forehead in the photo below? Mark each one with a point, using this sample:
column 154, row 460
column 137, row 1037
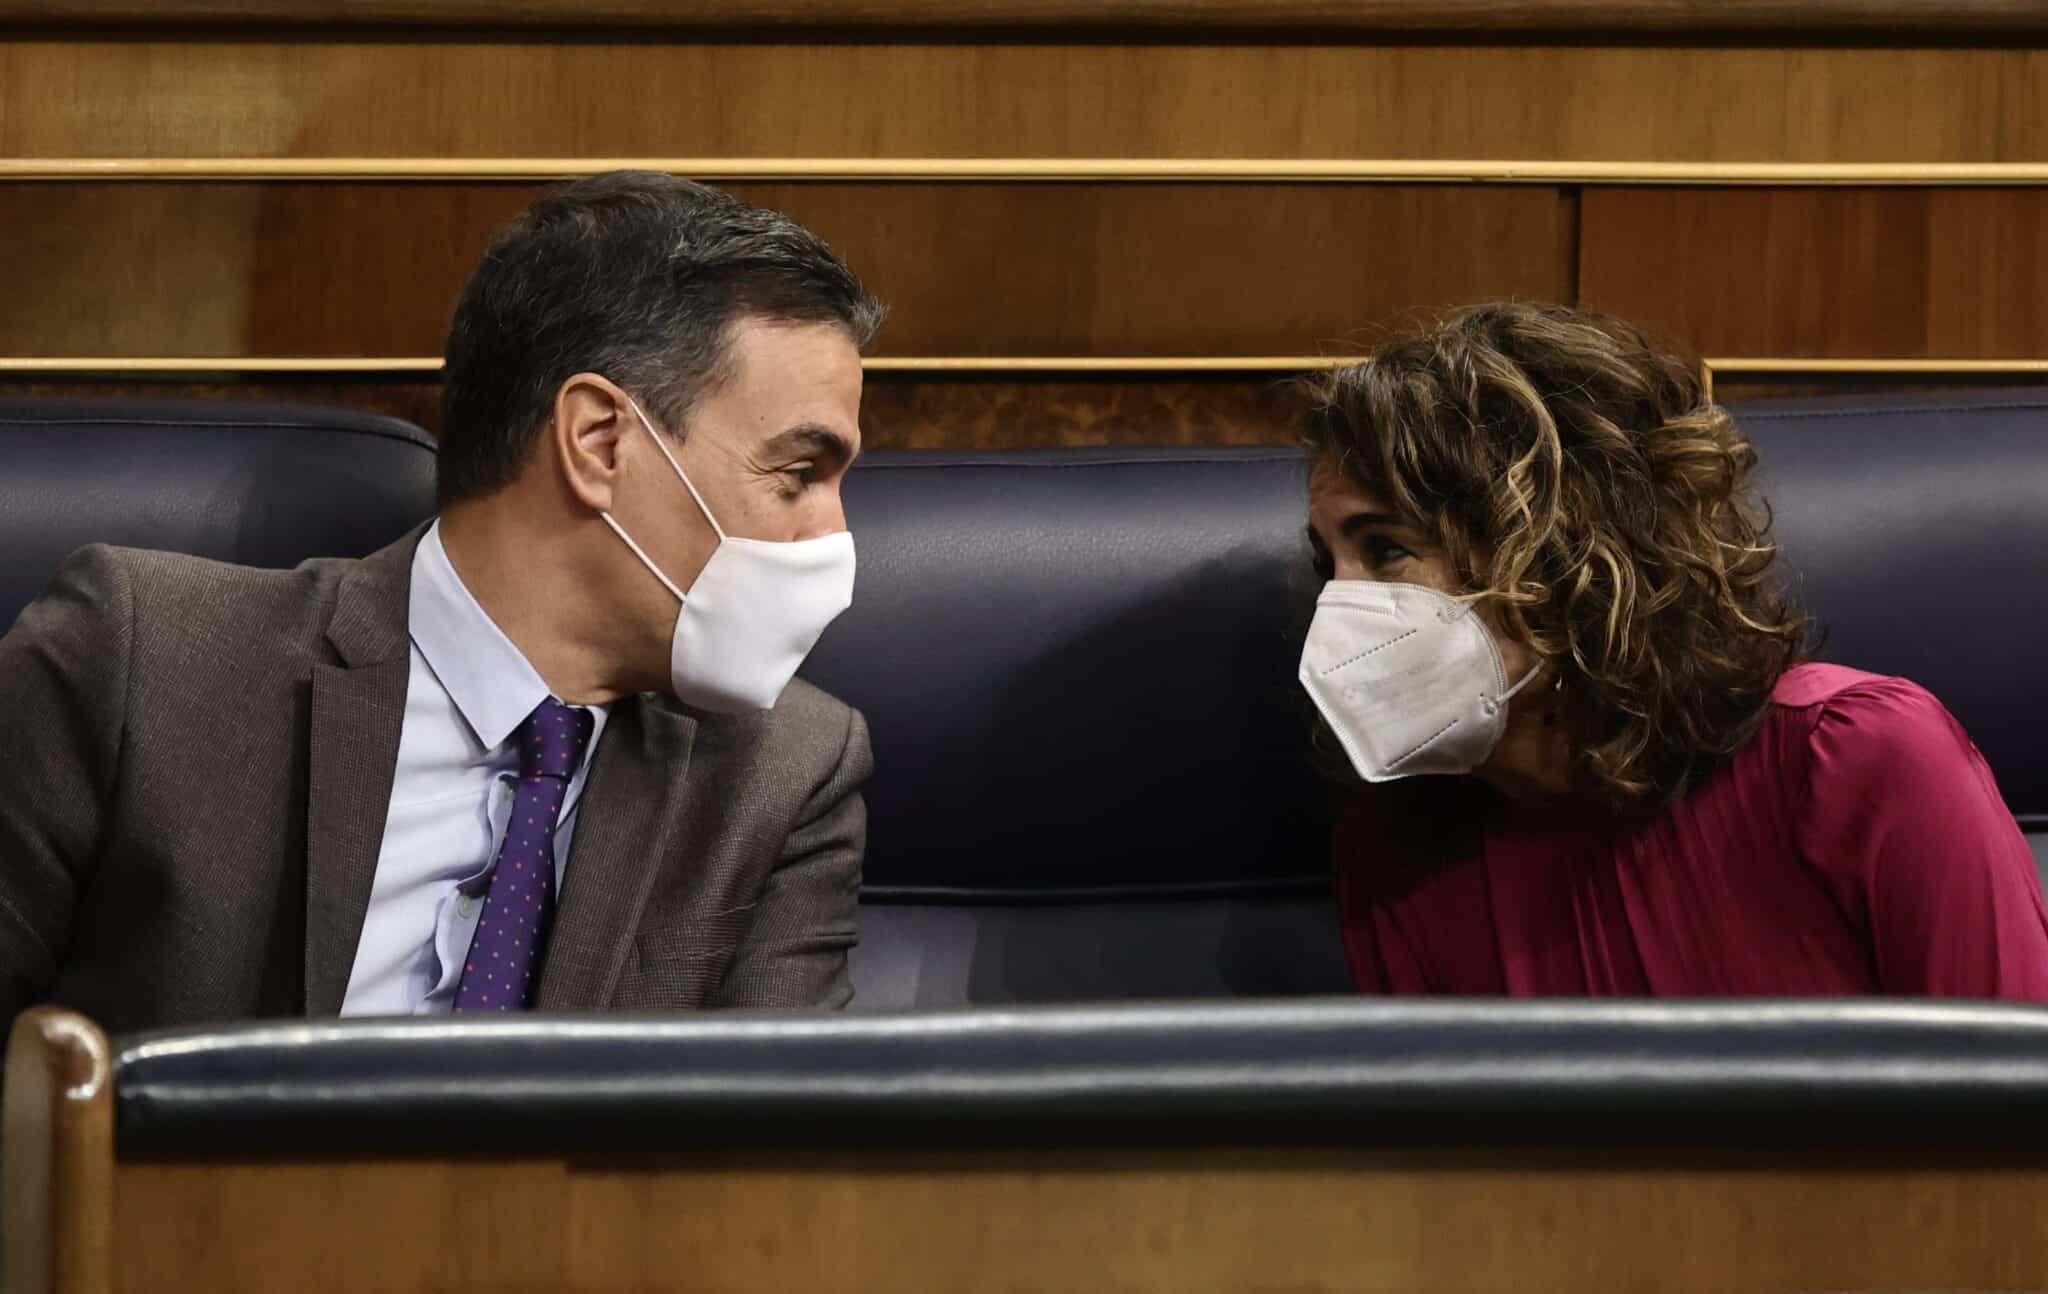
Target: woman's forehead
column 1332, row 487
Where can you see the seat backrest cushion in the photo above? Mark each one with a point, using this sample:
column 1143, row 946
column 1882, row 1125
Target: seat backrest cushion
column 1093, row 774
column 260, row 484
column 1916, row 532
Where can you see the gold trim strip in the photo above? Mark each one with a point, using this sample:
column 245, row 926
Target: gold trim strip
column 155, row 364
column 220, row 364
column 1106, row 364
column 1041, row 169
column 1764, row 365
column 151, row 364
column 1709, row 368
column 1659, row 19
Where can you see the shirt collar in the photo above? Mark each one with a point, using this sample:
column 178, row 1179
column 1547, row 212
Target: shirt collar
column 488, row 678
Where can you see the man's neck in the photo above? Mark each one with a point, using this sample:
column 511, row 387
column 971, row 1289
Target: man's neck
column 527, row 583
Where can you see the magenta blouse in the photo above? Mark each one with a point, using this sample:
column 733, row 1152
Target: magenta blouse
column 1857, row 845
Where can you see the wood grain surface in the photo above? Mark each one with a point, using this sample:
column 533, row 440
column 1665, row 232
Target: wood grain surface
column 1075, row 1222
column 451, row 95
column 1882, row 274
column 197, row 269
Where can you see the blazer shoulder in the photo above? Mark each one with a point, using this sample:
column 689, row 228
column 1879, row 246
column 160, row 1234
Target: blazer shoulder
column 183, row 596
column 805, row 705
column 807, row 725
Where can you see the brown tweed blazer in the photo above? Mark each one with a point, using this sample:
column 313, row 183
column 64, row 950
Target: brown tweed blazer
column 196, row 759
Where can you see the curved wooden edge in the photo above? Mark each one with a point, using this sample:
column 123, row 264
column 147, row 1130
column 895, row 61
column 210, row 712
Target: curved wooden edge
column 1097, row 170
column 1674, row 18
column 57, row 1156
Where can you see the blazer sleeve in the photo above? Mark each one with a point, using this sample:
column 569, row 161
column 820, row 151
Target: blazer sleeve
column 63, row 688
column 1903, row 807
column 794, row 953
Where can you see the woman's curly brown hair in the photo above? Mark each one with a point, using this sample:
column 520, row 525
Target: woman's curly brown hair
column 1581, row 483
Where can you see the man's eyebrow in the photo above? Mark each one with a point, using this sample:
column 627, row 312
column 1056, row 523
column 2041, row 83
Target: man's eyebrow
column 811, row 438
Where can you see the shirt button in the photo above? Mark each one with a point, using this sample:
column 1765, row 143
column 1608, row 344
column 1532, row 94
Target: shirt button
column 465, row 907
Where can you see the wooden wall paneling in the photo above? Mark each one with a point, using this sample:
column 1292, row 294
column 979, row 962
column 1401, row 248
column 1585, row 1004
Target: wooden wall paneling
column 997, row 411
column 1654, row 17
column 979, row 411
column 1854, row 273
column 168, row 266
column 451, row 94
column 1078, row 1221
column 1988, row 273
column 969, row 269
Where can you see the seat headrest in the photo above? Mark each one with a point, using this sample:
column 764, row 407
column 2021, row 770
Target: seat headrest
column 261, row 484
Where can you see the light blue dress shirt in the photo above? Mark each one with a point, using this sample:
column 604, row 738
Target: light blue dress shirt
column 451, row 795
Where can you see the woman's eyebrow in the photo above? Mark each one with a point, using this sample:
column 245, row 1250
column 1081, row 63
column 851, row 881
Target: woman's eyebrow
column 1358, row 521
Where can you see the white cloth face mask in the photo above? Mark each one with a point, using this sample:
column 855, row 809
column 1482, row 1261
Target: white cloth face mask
column 1410, row 680
column 753, row 613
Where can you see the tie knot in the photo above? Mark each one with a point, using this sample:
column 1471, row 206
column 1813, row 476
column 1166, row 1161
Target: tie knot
column 551, row 740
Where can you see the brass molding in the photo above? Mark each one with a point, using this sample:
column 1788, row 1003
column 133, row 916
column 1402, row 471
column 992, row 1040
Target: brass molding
column 155, row 365
column 1037, row 169
column 1749, row 364
column 1662, row 20
column 141, row 365
column 1108, row 365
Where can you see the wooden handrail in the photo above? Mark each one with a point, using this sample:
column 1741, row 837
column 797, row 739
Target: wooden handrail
column 1668, row 19
column 57, row 1156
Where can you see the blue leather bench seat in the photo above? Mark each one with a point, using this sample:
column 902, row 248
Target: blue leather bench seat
column 1092, row 773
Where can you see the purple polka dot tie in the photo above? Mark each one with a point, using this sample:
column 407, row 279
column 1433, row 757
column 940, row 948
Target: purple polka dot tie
column 498, row 974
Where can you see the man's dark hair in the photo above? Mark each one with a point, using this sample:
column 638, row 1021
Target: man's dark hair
column 636, row 275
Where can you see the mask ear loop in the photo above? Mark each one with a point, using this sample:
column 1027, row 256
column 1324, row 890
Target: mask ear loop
column 641, row 553
column 687, row 483
column 1524, row 681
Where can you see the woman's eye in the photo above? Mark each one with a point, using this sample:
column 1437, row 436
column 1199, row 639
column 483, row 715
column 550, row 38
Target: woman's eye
column 1380, row 551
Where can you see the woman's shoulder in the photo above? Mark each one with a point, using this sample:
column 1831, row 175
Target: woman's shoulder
column 1853, row 712
column 1813, row 683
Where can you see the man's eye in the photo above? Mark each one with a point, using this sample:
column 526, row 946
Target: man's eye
column 801, row 473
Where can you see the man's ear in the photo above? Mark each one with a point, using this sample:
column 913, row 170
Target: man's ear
column 585, row 437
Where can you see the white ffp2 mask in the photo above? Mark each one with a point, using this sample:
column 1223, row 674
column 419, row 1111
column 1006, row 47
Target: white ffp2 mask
column 753, row 613
column 1411, row 681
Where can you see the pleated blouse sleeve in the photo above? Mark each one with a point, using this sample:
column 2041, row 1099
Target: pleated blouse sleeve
column 1903, row 814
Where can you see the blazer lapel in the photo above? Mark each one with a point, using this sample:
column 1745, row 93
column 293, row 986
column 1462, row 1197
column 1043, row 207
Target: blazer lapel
column 637, row 801
column 358, row 710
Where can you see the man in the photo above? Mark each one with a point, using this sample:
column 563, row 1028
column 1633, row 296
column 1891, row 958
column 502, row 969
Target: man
column 545, row 753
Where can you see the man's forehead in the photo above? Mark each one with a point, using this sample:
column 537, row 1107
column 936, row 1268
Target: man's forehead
column 783, row 378
column 767, row 349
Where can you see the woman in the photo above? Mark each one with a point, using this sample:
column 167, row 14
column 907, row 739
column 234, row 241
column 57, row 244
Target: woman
column 1551, row 592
